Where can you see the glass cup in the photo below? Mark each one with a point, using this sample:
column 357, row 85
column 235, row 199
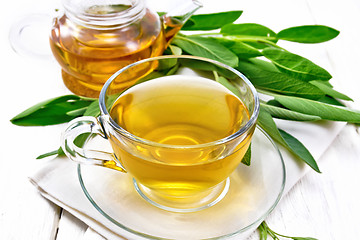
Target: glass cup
column 179, row 132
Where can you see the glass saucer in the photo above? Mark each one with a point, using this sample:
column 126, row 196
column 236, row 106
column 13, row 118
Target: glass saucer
column 253, row 193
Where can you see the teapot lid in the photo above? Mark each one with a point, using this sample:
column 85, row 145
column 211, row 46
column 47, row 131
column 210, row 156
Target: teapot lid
column 102, row 14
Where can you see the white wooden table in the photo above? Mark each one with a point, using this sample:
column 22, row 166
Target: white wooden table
column 325, row 206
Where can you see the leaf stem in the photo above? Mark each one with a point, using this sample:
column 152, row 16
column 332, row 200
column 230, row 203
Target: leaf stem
column 216, row 76
column 274, row 235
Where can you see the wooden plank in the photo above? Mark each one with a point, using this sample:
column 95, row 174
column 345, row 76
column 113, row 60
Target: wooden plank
column 70, row 227
column 344, row 51
column 324, row 206
column 24, row 214
column 92, row 235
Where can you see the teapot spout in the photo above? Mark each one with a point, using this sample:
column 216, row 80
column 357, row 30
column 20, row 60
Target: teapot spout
column 177, row 17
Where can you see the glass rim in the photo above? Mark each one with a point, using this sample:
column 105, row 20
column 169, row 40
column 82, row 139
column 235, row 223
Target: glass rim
column 106, row 116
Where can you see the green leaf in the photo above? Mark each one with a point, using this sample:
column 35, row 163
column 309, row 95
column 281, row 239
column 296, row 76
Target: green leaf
column 93, row 109
column 241, row 49
column 330, row 100
column 77, row 112
column 48, row 102
column 175, row 50
column 328, row 90
column 58, row 152
column 207, row 68
column 266, row 122
column 279, row 82
column 172, row 50
column 211, row 21
column 264, row 65
column 308, row 34
column 300, row 150
column 323, row 110
column 295, row 65
column 223, row 81
column 254, row 34
column 54, row 111
column 287, row 114
column 206, row 47
column 248, row 29
column 247, row 157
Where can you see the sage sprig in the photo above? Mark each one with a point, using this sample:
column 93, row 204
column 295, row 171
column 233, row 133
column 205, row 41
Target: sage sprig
column 266, row 231
column 300, row 88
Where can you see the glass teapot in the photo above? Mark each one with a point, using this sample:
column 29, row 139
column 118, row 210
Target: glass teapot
column 93, row 39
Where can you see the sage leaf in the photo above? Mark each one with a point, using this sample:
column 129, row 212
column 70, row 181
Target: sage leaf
column 206, row 47
column 241, row 49
column 53, row 111
column 254, row 34
column 308, row 34
column 300, row 150
column 211, row 21
column 295, row 65
column 59, row 152
column 223, row 81
column 323, row 110
column 48, row 102
column 328, row 90
column 77, row 112
column 330, row 100
column 266, row 122
column 207, row 68
column 248, row 29
column 279, row 82
column 93, row 109
column 264, row 65
column 286, row 114
column 247, row 157
column 175, row 50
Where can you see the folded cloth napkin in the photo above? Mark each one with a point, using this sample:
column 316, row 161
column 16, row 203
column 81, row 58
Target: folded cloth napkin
column 58, row 179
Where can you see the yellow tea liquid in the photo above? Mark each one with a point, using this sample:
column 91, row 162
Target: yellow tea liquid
column 180, row 110
column 89, row 56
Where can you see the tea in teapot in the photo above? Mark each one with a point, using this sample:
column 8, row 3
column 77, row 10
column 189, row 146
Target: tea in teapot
column 91, row 41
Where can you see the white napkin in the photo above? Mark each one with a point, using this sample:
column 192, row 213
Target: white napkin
column 58, row 179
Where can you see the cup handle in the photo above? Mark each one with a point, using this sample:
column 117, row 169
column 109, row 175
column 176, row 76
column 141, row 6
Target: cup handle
column 90, row 125
column 25, row 33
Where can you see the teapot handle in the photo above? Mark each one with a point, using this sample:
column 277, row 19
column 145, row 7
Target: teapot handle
column 27, row 35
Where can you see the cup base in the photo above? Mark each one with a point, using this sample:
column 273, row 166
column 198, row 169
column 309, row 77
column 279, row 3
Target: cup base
column 186, row 204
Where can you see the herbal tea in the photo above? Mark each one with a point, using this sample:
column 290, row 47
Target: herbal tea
column 184, row 111
column 90, row 55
